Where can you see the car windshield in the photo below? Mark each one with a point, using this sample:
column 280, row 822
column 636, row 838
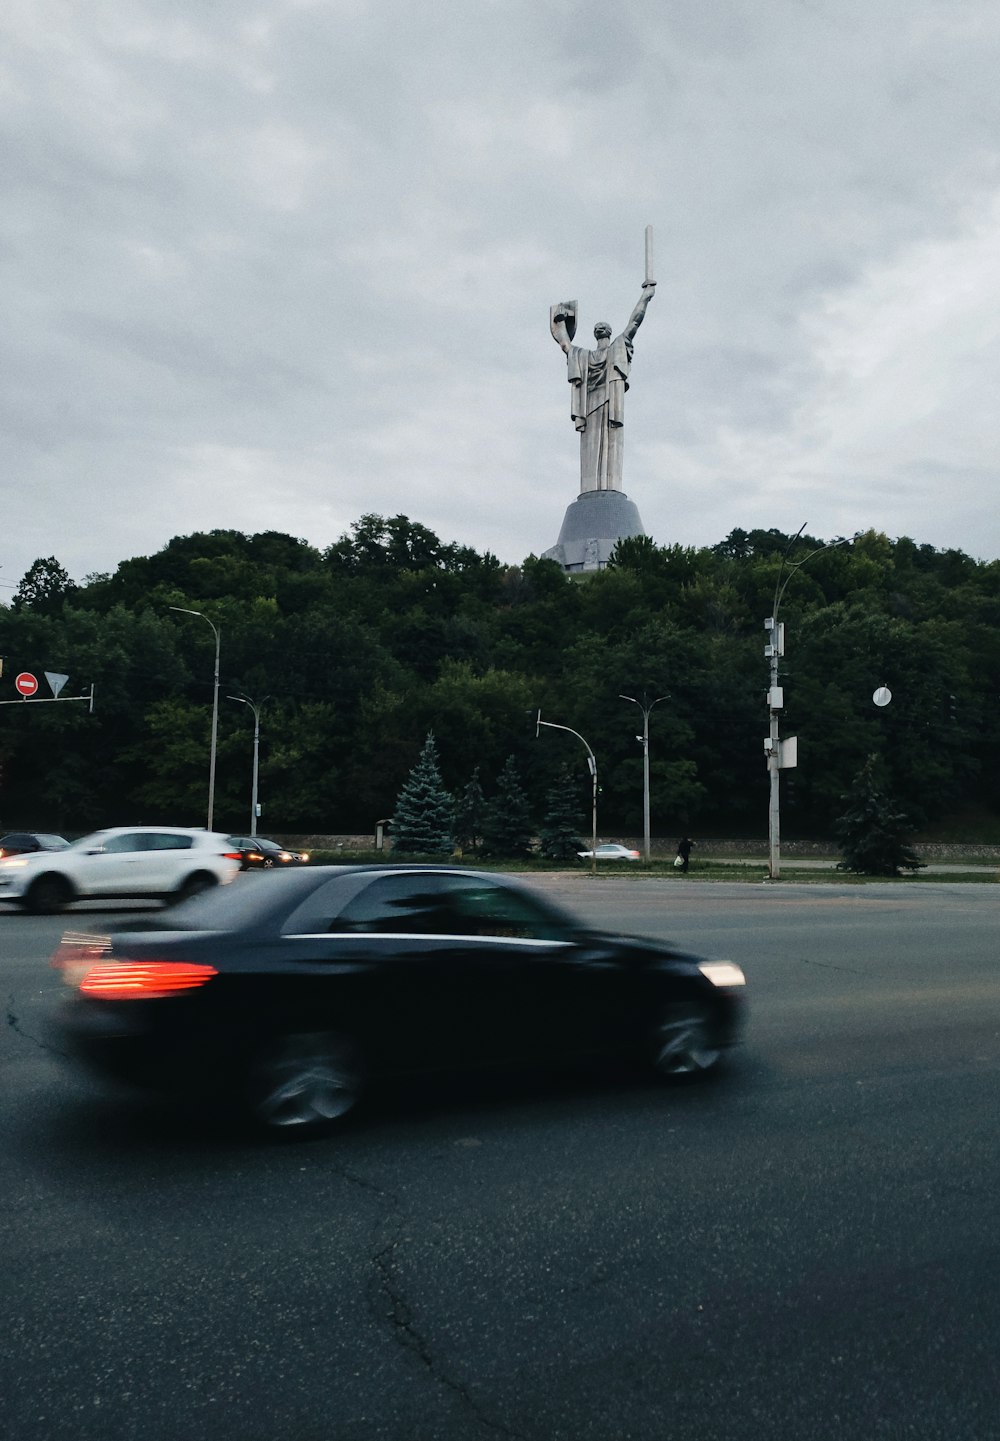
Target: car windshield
column 51, row 843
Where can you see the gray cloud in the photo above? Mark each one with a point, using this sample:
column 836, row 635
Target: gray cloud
column 276, row 264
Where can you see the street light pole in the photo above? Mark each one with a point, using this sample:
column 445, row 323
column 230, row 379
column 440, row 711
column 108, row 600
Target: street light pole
column 645, row 705
column 245, row 700
column 592, row 763
column 774, row 650
column 215, row 709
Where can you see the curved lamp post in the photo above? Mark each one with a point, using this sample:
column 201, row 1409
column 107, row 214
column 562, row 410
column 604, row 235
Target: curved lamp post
column 592, row 763
column 215, row 709
column 256, row 708
column 645, row 705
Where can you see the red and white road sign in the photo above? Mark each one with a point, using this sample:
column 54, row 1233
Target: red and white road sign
column 25, row 684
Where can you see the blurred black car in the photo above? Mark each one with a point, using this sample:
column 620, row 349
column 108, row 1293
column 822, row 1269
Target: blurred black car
column 258, row 854
column 290, row 995
column 24, row 843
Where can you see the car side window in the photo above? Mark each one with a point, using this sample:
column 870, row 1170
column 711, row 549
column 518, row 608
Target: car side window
column 115, row 845
column 483, row 909
column 167, row 841
column 416, row 903
column 448, row 905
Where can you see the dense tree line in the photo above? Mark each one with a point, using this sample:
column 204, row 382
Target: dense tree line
column 357, row 652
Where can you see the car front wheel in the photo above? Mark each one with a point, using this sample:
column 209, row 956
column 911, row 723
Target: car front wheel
column 304, row 1081
column 48, row 895
column 683, row 1042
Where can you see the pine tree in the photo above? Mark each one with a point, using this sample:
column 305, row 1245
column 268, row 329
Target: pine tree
column 871, row 831
column 507, row 819
column 423, row 823
column 560, row 835
column 469, row 814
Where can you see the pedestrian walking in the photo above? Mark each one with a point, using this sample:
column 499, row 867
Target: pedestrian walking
column 684, row 851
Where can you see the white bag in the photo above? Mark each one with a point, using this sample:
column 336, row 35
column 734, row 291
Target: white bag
column 678, row 860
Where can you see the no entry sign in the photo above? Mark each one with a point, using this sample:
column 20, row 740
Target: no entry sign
column 25, row 683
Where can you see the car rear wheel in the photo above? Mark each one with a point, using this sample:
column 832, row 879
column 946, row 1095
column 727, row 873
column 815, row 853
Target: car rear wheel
column 683, row 1042
column 304, row 1081
column 193, row 886
column 48, row 895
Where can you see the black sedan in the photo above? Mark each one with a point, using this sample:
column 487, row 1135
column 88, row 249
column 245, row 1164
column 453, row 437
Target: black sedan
column 259, row 854
column 292, row 993
column 26, row 843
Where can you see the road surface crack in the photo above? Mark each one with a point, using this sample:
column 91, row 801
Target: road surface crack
column 828, row 966
column 390, row 1303
column 409, row 1336
column 14, row 1022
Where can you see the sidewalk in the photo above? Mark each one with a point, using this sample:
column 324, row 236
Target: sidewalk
column 811, row 863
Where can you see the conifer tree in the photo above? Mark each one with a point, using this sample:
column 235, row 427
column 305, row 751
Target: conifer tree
column 560, row 834
column 469, row 814
column 423, row 822
column 507, row 819
column 871, row 831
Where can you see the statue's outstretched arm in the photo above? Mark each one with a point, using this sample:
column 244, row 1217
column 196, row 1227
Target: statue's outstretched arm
column 635, row 319
column 562, row 323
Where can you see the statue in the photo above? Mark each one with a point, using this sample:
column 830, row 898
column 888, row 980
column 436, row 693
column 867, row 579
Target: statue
column 599, row 380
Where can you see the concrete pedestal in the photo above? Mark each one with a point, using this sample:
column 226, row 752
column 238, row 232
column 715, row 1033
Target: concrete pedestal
column 595, row 521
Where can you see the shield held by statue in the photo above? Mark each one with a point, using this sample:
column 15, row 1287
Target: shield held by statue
column 564, row 313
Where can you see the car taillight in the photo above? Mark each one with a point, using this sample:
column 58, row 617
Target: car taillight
column 232, row 855
column 77, row 952
column 143, row 980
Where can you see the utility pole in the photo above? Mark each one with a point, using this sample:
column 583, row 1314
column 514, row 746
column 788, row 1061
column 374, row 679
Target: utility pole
column 781, row 755
column 774, row 649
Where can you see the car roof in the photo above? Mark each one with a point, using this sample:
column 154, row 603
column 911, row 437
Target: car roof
column 157, row 830
column 273, row 894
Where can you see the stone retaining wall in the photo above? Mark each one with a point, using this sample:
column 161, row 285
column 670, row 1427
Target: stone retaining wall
column 928, row 851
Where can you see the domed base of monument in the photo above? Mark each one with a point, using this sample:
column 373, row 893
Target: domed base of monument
column 591, row 528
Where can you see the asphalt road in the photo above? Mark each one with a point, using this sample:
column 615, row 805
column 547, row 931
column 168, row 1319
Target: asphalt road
column 807, row 1249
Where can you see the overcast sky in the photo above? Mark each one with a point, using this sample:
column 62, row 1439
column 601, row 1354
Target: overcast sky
column 273, row 264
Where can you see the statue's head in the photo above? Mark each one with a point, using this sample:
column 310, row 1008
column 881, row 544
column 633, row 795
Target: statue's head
column 602, row 330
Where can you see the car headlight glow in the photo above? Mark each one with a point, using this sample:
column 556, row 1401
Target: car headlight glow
column 722, row 973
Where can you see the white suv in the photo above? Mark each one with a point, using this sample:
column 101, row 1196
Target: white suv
column 153, row 862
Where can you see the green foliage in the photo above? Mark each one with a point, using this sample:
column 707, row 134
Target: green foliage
column 469, row 812
column 44, row 587
column 358, row 650
column 560, row 833
column 423, row 821
column 507, row 820
column 872, row 833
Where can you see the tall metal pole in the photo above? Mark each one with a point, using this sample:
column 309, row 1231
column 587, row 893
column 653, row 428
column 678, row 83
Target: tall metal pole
column 245, row 700
column 774, row 760
column 775, row 698
column 215, row 709
column 645, row 705
column 592, row 764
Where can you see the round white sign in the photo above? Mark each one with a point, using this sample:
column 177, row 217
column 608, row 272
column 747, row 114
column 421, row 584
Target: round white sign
column 882, row 696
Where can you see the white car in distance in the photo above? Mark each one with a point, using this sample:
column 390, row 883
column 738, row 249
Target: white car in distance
column 167, row 863
column 611, row 852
